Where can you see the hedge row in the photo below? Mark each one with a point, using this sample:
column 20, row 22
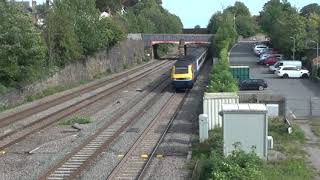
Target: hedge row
column 220, row 78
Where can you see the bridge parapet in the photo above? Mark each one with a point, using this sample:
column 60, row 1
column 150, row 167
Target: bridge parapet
column 152, row 39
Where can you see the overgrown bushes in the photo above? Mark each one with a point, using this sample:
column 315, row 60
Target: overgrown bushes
column 75, row 29
column 213, row 165
column 22, row 50
column 220, row 78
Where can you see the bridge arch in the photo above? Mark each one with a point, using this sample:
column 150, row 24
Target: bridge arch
column 152, row 41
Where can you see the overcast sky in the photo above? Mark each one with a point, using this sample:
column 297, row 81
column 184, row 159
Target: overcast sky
column 198, row 12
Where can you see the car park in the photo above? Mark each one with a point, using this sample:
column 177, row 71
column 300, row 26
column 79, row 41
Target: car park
column 273, row 68
column 253, row 84
column 290, row 71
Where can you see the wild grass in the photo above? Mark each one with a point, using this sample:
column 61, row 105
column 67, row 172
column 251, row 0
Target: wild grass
column 76, row 119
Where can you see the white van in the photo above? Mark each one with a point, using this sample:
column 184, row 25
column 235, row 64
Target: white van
column 273, row 68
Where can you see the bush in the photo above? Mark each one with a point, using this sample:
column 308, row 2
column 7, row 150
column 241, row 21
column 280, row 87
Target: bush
column 220, row 78
column 3, row 89
column 213, row 165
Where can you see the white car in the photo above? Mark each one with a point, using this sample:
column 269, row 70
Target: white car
column 258, row 48
column 278, row 64
column 292, row 72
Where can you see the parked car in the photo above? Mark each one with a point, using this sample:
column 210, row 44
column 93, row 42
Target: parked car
column 273, row 68
column 271, row 60
column 258, row 48
column 253, row 84
column 290, row 71
column 267, row 51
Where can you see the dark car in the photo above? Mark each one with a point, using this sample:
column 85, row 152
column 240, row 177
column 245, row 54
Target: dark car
column 253, row 84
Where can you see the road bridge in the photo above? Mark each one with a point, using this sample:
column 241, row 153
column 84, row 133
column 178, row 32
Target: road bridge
column 153, row 40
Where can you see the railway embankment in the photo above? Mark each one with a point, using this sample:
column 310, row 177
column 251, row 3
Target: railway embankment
column 126, row 54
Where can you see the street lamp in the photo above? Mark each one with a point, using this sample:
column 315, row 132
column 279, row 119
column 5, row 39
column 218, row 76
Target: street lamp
column 294, row 46
column 317, row 54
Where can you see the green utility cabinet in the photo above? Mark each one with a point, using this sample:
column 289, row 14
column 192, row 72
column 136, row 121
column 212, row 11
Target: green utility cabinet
column 240, row 72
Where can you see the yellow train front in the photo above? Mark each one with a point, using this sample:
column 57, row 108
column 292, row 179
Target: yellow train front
column 183, row 74
column 186, row 70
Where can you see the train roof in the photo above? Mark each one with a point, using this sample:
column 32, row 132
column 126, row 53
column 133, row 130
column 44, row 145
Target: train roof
column 185, row 60
column 193, row 54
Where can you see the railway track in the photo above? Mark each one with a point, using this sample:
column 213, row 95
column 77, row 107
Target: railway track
column 69, row 108
column 78, row 160
column 9, row 119
column 138, row 158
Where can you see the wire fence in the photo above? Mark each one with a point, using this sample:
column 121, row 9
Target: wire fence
column 302, row 107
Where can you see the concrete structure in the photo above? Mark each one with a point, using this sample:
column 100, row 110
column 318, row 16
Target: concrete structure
column 212, row 105
column 245, row 126
column 203, row 127
column 153, row 40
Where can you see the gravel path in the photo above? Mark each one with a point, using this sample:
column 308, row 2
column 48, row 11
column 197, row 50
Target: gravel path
column 312, row 146
column 177, row 143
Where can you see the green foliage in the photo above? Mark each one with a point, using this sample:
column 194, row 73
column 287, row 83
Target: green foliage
column 220, row 78
column 213, row 143
column 112, row 5
column 76, row 119
column 295, row 169
column 213, row 164
column 63, row 43
column 232, row 21
column 148, row 16
column 76, row 29
column 245, row 26
column 310, row 9
column 22, row 50
column 291, row 145
column 281, row 21
column 240, row 165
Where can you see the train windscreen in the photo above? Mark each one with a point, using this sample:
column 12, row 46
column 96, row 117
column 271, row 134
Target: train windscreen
column 181, row 70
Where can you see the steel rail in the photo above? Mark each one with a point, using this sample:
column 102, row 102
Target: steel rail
column 48, row 120
column 46, row 105
column 123, row 169
column 102, row 139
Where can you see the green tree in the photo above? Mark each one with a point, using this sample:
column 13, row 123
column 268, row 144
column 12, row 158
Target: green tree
column 282, row 22
column 112, row 5
column 22, row 50
column 75, row 29
column 245, row 26
column 62, row 39
column 148, row 16
column 310, row 9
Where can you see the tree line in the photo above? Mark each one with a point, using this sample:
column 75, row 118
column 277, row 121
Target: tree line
column 72, row 30
column 285, row 25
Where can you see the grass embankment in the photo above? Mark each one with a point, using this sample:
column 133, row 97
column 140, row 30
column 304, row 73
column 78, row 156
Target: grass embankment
column 294, row 165
column 212, row 164
column 56, row 89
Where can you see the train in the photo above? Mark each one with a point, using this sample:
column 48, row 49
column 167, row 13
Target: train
column 185, row 71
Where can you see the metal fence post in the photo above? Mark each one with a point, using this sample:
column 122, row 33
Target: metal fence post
column 311, row 108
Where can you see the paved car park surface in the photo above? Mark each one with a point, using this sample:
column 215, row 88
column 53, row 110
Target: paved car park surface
column 302, row 95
